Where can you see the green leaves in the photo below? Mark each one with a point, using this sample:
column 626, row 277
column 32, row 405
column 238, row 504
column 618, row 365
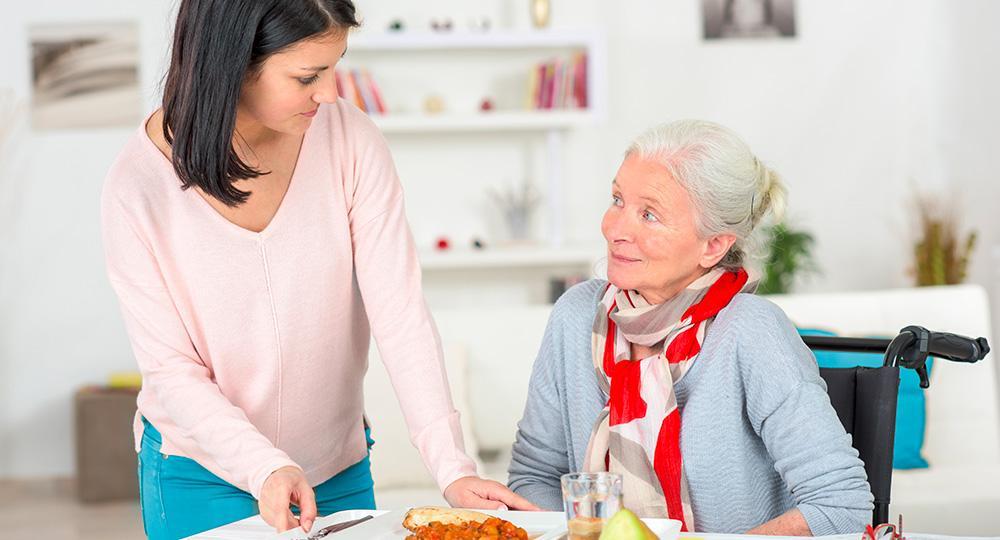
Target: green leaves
column 790, row 254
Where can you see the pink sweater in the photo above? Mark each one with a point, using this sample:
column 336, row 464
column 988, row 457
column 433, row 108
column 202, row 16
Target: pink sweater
column 253, row 346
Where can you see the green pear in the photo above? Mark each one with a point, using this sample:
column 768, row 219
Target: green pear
column 625, row 525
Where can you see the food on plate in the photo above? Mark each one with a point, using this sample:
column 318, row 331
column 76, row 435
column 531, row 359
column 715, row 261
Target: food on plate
column 625, row 525
column 436, row 523
column 424, row 515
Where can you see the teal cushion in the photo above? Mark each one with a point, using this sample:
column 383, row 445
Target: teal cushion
column 910, row 407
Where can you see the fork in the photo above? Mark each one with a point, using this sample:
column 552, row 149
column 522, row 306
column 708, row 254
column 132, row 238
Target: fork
column 336, row 527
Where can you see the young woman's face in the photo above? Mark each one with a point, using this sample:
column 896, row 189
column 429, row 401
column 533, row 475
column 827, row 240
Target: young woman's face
column 293, row 83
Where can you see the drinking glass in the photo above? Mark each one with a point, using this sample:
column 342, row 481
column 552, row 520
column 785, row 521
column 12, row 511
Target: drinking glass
column 590, row 499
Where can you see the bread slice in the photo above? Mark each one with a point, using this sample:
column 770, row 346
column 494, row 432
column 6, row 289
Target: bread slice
column 424, row 515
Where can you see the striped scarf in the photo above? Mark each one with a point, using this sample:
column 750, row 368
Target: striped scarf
column 638, row 433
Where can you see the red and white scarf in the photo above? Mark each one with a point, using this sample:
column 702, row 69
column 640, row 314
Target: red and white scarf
column 638, row 433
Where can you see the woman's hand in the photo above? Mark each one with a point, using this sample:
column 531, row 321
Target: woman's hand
column 791, row 523
column 475, row 492
column 284, row 487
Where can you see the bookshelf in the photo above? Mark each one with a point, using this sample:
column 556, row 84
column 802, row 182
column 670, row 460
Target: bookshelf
column 545, row 128
column 492, row 121
column 509, row 257
column 493, row 39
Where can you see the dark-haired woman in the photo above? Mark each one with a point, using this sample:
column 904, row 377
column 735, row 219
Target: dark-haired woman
column 255, row 235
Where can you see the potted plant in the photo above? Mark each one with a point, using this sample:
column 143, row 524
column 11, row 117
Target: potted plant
column 940, row 254
column 790, row 254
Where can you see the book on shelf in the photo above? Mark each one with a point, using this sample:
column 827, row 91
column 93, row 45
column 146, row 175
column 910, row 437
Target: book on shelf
column 360, row 88
column 558, row 83
column 376, row 93
column 364, row 90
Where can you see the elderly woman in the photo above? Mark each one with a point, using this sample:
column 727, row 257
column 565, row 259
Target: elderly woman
column 673, row 374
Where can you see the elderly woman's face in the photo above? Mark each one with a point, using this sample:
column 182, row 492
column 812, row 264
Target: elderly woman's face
column 653, row 242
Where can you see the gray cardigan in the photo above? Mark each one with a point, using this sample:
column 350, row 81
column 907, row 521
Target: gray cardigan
column 758, row 434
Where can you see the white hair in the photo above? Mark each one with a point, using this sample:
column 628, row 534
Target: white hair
column 733, row 192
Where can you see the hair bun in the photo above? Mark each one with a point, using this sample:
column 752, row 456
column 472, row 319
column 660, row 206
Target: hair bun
column 772, row 194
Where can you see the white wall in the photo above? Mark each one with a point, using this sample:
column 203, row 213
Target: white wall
column 867, row 98
column 59, row 324
column 968, row 118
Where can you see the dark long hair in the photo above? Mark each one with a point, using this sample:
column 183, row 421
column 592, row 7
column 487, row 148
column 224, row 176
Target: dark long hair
column 217, row 45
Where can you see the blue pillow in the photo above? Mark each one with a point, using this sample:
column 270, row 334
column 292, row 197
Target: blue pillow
column 910, row 406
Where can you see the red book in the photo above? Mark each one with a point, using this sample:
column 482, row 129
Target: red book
column 580, row 82
column 340, row 83
column 557, row 84
column 548, row 86
column 540, row 96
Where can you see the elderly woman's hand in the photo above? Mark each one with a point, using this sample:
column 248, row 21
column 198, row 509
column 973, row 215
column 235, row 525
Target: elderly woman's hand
column 475, row 492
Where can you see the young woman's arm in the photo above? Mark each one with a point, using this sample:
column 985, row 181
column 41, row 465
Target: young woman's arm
column 388, row 274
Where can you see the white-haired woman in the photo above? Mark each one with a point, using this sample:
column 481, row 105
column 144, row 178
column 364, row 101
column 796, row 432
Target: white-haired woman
column 673, row 374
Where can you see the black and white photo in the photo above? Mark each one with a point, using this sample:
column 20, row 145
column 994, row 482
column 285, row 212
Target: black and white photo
column 84, row 75
column 748, row 19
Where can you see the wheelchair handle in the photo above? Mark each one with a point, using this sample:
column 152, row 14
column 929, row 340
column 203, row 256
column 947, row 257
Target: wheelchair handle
column 914, row 344
column 957, row 348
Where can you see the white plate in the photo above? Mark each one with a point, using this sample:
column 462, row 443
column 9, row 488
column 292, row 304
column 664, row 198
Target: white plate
column 539, row 525
column 325, row 521
column 388, row 525
column 254, row 528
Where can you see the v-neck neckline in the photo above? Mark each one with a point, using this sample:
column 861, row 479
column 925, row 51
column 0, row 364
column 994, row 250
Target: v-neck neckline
column 286, row 199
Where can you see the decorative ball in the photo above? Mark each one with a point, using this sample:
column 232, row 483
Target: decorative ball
column 486, row 105
column 443, row 243
column 478, row 243
column 480, row 24
column 397, row 25
column 443, row 25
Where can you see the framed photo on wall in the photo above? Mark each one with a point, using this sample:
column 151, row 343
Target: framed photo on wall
column 748, row 19
column 85, row 75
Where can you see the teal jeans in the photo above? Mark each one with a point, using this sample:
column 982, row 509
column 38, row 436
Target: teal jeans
column 179, row 497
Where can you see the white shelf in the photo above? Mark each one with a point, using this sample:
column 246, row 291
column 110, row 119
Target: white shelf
column 508, row 258
column 481, row 47
column 484, row 121
column 494, row 39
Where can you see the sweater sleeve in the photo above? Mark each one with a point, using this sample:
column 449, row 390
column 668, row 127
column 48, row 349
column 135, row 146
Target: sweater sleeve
column 389, row 279
column 788, row 406
column 541, row 451
column 170, row 367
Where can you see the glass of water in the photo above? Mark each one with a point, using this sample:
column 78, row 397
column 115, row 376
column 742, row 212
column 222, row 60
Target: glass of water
column 590, row 499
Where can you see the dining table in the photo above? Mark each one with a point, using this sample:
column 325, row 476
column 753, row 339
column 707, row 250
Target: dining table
column 364, row 525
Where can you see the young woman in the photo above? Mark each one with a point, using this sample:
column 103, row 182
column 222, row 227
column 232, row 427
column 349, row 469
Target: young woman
column 255, row 235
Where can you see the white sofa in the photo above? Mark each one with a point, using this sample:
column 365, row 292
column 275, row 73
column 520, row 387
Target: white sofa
column 490, row 352
column 960, row 492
